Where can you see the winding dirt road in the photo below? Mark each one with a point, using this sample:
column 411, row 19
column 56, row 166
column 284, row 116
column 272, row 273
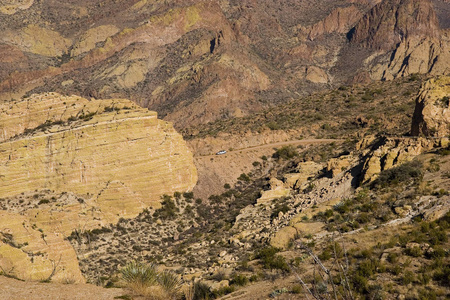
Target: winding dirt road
column 273, row 145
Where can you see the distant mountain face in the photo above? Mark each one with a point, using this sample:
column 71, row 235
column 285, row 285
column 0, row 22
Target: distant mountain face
column 199, row 61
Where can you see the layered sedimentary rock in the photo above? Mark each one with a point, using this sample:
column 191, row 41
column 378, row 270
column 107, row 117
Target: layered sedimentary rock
column 113, row 158
column 432, row 112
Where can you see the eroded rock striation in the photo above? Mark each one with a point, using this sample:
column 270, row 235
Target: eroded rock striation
column 87, row 163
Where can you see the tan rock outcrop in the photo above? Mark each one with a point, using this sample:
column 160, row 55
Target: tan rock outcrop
column 316, row 75
column 305, row 170
column 432, row 113
column 414, row 55
column 114, row 158
column 277, row 190
column 336, row 165
column 389, row 153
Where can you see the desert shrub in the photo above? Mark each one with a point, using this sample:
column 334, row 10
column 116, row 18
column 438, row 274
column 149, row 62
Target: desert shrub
column 285, row 152
column 202, row 291
column 239, row 279
column 408, row 277
column 395, row 269
column 424, row 278
column 442, row 275
column 244, row 177
column 168, row 209
column 443, row 102
column 427, row 294
column 43, row 201
column 188, row 195
column 325, row 255
column 413, row 251
column 437, row 252
column 359, row 283
column 225, row 290
column 392, row 257
column 366, row 268
column 400, row 174
column 273, row 125
column 271, row 261
column 284, row 208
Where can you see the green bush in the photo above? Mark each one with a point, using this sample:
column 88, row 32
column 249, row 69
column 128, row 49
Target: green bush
column 271, row 261
column 168, row 209
column 408, row 277
column 239, row 279
column 244, row 177
column 285, row 152
column 414, row 251
column 400, row 174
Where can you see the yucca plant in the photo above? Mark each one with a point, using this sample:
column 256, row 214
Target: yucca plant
column 146, row 280
column 170, row 282
column 139, row 276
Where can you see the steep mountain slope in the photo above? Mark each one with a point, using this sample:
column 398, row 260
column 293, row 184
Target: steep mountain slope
column 410, row 33
column 199, row 61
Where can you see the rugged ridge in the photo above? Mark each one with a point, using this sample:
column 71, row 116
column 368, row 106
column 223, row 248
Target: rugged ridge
column 406, row 37
column 392, row 21
column 196, row 62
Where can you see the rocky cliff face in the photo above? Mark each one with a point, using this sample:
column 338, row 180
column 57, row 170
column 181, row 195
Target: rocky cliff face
column 392, row 21
column 432, row 115
column 114, row 159
column 407, row 37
